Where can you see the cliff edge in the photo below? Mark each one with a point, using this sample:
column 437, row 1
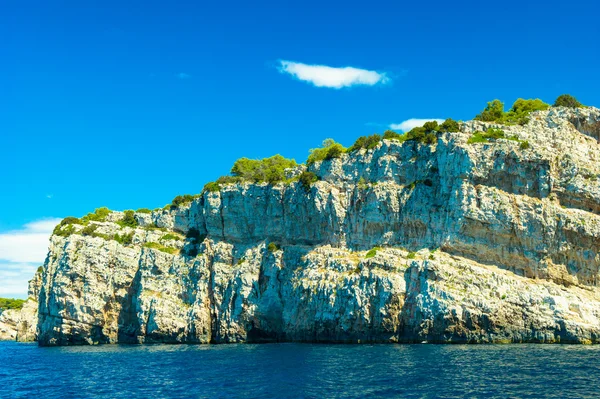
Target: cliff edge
column 473, row 236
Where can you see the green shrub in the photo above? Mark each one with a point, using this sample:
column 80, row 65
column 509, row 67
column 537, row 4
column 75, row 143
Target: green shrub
column 518, row 114
column 99, row 215
column 225, row 180
column 524, row 145
column 362, row 184
column 10, row 303
column 421, row 135
column 270, row 170
column 431, row 126
column 307, row 179
column 449, row 125
column 162, row 248
column 272, row 247
column 392, row 135
column 65, row 228
column 372, row 252
column 182, row 199
column 170, row 236
column 89, row 230
column 329, row 150
column 212, row 187
column 492, row 112
column 567, row 100
column 65, row 231
column 143, row 210
column 411, row 255
column 366, row 142
column 485, row 137
column 128, row 219
column 125, row 239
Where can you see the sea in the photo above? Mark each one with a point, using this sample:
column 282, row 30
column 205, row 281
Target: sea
column 300, row 371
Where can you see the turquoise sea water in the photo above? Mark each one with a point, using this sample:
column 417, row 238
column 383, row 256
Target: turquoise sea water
column 300, row 371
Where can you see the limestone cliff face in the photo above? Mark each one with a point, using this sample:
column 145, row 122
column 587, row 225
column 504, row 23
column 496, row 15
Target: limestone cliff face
column 21, row 324
column 488, row 242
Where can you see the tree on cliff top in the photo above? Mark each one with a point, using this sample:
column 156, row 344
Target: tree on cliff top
column 567, row 100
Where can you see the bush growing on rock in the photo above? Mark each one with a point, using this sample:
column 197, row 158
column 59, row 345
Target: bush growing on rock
column 270, row 170
column 494, row 111
column 128, row 219
column 485, row 137
column 143, row 210
column 567, row 100
column 392, row 135
column 65, row 227
column 212, row 187
column 366, row 142
column 89, row 230
column 307, row 179
column 125, row 239
column 99, row 215
column 170, row 236
column 372, row 252
column 182, row 199
column 162, row 248
column 329, row 150
column 518, row 114
column 449, row 125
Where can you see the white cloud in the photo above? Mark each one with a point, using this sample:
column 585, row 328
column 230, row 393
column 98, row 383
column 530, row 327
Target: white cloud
column 182, row 75
column 412, row 123
column 326, row 76
column 21, row 252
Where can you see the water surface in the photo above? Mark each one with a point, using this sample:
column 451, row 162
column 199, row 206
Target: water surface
column 300, row 371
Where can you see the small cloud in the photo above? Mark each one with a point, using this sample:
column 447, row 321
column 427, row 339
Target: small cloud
column 49, row 196
column 412, row 123
column 336, row 78
column 182, row 75
column 21, row 252
column 28, row 244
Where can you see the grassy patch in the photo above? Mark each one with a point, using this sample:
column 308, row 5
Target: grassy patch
column 491, row 134
column 372, row 252
column 170, row 236
column 162, row 248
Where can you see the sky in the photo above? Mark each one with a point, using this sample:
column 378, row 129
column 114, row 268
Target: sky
column 128, row 104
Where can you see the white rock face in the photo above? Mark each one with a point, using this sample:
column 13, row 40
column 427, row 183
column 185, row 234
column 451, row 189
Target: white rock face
column 21, row 325
column 493, row 242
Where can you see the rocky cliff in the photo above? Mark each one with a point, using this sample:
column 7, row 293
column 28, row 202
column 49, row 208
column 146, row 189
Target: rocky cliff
column 406, row 242
column 21, row 324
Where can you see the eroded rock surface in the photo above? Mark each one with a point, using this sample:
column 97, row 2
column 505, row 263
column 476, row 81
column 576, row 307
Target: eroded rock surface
column 489, row 242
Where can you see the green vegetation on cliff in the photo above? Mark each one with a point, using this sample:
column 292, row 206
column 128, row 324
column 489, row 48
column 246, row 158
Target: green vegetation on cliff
column 267, row 170
column 567, row 100
column 329, row 150
column 518, row 114
column 11, row 303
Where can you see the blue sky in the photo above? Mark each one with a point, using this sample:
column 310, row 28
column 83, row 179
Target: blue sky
column 127, row 106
